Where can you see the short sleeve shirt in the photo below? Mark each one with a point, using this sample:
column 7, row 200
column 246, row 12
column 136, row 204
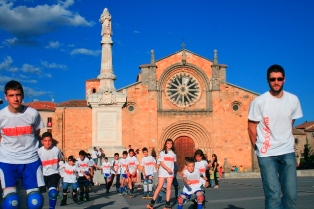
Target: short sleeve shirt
column 148, row 164
column 19, row 142
column 132, row 163
column 83, row 165
column 201, row 166
column 169, row 160
column 50, row 160
column 274, row 130
column 106, row 167
column 195, row 179
column 70, row 173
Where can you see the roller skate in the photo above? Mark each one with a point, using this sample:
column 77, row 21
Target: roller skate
column 167, row 205
column 131, row 195
column 149, row 206
column 145, row 196
column 150, row 195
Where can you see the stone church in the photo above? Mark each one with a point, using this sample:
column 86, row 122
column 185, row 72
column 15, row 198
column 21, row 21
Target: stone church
column 183, row 96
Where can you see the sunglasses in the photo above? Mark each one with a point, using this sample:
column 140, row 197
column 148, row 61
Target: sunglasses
column 274, row 79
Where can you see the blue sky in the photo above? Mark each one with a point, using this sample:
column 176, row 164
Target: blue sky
column 52, row 47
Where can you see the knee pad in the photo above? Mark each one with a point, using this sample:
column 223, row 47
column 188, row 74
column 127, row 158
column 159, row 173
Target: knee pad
column 145, row 182
column 65, row 190
column 200, row 198
column 35, row 200
column 11, row 201
column 53, row 193
column 150, row 181
column 180, row 200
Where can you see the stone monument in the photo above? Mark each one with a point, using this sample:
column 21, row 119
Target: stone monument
column 107, row 103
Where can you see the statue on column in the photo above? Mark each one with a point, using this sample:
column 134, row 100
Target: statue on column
column 105, row 20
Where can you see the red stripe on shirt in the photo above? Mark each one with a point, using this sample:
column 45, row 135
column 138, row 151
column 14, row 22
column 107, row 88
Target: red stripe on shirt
column 171, row 159
column 49, row 162
column 17, row 131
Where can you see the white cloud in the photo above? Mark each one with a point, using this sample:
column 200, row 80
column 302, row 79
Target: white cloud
column 28, row 22
column 53, row 45
column 5, row 79
column 28, row 81
column 85, row 52
column 29, row 92
column 27, row 68
column 136, row 31
column 6, row 65
column 10, row 41
column 53, row 65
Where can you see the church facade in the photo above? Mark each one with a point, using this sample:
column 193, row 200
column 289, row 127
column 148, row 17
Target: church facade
column 183, row 96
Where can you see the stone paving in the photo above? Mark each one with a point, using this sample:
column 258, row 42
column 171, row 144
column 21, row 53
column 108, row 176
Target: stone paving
column 231, row 194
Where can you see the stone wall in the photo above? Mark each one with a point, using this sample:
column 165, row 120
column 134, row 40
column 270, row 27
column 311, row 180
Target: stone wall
column 72, row 128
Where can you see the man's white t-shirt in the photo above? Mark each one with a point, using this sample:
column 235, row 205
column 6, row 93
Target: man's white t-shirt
column 19, row 144
column 274, row 130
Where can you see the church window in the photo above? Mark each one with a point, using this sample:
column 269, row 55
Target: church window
column 236, row 107
column 183, row 90
column 131, row 108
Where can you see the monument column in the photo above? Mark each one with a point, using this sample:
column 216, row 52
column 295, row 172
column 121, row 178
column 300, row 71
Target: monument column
column 107, row 103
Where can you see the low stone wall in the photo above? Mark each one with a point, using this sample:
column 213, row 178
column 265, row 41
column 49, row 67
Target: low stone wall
column 235, row 175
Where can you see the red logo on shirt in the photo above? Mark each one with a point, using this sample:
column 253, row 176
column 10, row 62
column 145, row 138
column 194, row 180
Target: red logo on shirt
column 171, row 159
column 149, row 163
column 17, row 131
column 266, row 143
column 49, row 162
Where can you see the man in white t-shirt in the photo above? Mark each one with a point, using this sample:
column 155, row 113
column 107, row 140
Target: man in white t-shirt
column 270, row 120
column 19, row 130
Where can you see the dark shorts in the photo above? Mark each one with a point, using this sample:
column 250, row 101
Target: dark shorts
column 52, row 180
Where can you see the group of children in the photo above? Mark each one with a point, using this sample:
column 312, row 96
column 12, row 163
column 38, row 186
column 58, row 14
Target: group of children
column 20, row 159
column 75, row 173
column 165, row 167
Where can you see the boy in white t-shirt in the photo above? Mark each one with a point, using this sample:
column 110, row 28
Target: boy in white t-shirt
column 132, row 164
column 106, row 169
column 19, row 130
column 115, row 173
column 84, row 164
column 148, row 165
column 192, row 185
column 69, row 179
column 123, row 175
column 50, row 157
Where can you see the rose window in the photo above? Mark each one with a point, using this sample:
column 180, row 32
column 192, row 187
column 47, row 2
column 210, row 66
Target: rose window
column 183, row 90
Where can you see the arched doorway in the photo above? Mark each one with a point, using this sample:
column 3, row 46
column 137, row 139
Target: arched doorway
column 184, row 146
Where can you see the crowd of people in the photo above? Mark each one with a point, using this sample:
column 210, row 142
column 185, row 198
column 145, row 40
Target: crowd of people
column 41, row 169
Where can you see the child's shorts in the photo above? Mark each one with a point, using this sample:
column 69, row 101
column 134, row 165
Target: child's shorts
column 124, row 176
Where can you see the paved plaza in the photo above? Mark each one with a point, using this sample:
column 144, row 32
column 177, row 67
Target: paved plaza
column 231, row 194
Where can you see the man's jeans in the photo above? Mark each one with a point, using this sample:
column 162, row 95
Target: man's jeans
column 279, row 172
